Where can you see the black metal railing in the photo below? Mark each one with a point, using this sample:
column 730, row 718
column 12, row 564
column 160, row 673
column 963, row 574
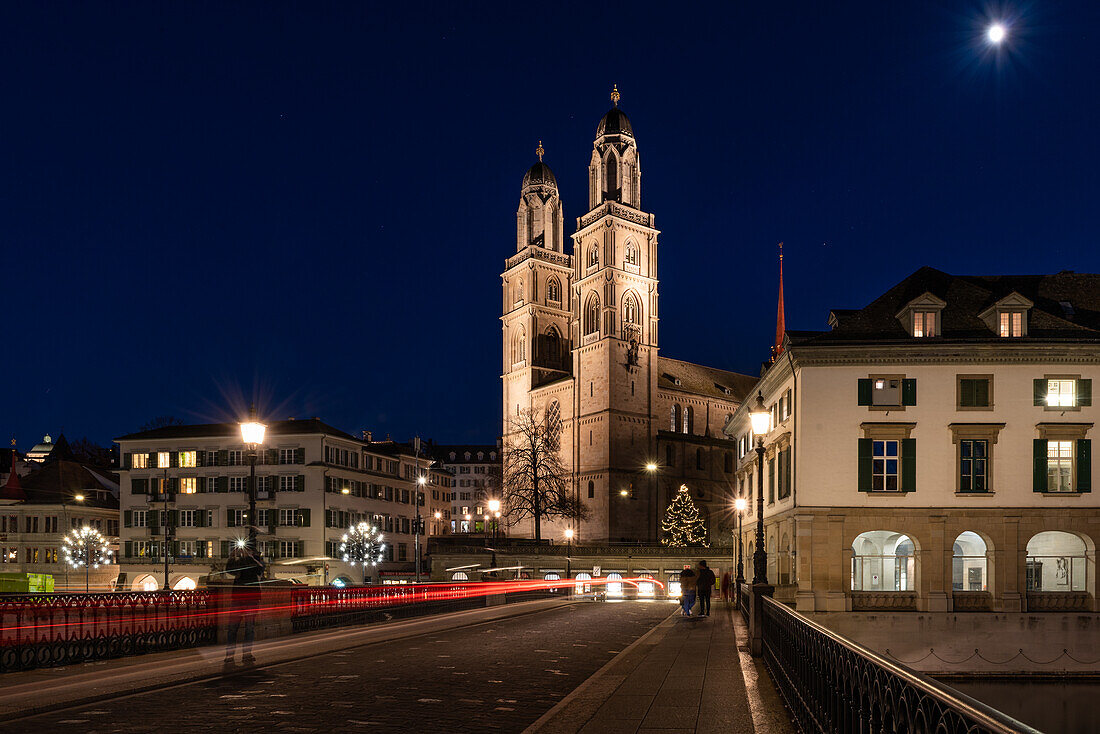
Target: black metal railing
column 832, row 684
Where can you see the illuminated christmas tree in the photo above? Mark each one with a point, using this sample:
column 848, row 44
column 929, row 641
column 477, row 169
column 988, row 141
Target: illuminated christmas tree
column 682, row 525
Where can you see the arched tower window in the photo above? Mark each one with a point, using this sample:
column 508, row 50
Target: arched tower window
column 592, row 315
column 630, row 310
column 631, row 257
column 675, row 418
column 553, row 416
column 593, row 256
column 553, row 290
column 591, row 490
column 689, row 420
column 519, row 291
column 611, row 176
column 553, row 345
column 519, row 346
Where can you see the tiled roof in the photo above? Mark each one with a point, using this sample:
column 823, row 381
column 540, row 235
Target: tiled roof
column 442, row 453
column 57, row 481
column 700, row 380
column 1066, row 307
column 220, row 430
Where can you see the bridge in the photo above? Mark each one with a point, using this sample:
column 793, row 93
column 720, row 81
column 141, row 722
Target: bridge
column 536, row 656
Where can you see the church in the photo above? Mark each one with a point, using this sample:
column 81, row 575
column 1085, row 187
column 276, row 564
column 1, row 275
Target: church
column 581, row 348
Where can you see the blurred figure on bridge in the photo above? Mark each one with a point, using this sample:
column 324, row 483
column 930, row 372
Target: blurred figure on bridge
column 726, row 586
column 705, row 584
column 687, row 590
column 246, row 568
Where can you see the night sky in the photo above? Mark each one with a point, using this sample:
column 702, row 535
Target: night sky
column 310, row 204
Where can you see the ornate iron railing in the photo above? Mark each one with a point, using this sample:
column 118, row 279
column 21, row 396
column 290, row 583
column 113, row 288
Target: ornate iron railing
column 39, row 630
column 832, row 684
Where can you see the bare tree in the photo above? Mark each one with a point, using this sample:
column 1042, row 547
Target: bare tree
column 161, row 421
column 535, row 482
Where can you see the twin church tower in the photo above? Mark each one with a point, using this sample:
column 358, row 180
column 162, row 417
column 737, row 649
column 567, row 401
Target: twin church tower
column 580, row 343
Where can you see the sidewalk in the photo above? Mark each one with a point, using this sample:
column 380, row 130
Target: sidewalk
column 47, row 689
column 685, row 675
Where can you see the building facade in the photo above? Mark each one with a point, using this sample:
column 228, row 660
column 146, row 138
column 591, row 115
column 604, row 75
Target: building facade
column 475, row 471
column 312, row 482
column 932, row 451
column 581, row 349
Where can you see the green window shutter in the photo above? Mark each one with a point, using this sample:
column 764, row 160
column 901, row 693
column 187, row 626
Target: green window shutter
column 200, row 518
column 1084, row 465
column 153, row 520
column 200, row 484
column 200, row 458
column 272, row 456
column 128, row 549
column 137, row 486
column 229, row 520
column 1084, row 392
column 787, row 473
column 771, row 479
column 304, row 517
column 127, row 460
column 981, row 393
column 174, row 548
column 909, row 392
column 174, row 459
column 224, row 548
column 127, row 518
column 908, row 465
column 863, row 391
column 967, row 396
column 1039, row 464
column 223, row 457
column 173, row 518
column 222, row 484
column 151, row 462
column 1039, row 393
column 864, row 459
column 300, row 455
column 173, row 485
column 300, row 483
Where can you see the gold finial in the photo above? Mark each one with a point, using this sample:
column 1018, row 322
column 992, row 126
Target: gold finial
column 615, row 94
column 780, row 251
column 539, row 151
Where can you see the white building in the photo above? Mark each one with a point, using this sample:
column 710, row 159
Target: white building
column 312, row 482
column 932, row 450
column 476, row 475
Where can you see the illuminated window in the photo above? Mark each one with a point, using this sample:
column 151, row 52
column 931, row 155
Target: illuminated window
column 1011, row 323
column 189, row 458
column 163, row 459
column 1062, row 393
column 924, row 323
column 1059, row 466
column 139, row 461
column 185, row 584
column 188, row 485
column 185, row 549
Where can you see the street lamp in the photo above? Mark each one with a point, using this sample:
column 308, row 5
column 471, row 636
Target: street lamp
column 252, row 433
column 760, row 419
column 568, row 552
column 438, row 516
column 740, row 504
column 651, row 469
column 421, row 480
column 494, row 509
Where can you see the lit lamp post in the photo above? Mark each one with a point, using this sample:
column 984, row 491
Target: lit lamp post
column 740, row 504
column 494, row 509
column 252, row 433
column 438, row 517
column 568, row 553
column 651, row 470
column 761, row 422
column 421, row 480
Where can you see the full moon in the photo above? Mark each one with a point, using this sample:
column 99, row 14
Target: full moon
column 996, row 33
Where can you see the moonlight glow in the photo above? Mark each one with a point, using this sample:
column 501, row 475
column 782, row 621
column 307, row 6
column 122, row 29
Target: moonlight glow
column 996, row 33
column 362, row 545
column 86, row 547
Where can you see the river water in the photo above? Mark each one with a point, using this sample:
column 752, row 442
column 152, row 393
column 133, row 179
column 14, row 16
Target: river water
column 1051, row 706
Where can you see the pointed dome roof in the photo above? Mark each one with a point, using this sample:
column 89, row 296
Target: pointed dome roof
column 539, row 175
column 615, row 122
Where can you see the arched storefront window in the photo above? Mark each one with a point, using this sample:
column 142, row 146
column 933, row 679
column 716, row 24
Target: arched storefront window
column 184, row 584
column 583, row 588
column 1056, row 561
column 459, row 576
column 146, row 583
column 969, row 565
column 552, row 576
column 647, row 589
column 883, row 561
column 614, row 584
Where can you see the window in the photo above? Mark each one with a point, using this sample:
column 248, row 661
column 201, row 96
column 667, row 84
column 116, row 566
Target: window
column 630, row 311
column 631, row 254
column 139, row 461
column 1062, row 393
column 924, row 323
column 187, row 518
column 189, row 459
column 591, row 490
column 188, row 485
column 164, row 459
column 288, row 518
column 883, row 561
column 288, row 548
column 968, row 563
column 288, row 456
column 973, row 464
column 593, row 256
column 519, row 346
column 211, row 458
column 553, row 421
column 140, row 518
column 675, row 418
column 592, row 315
column 974, row 392
column 553, row 290
column 884, row 466
column 1059, row 466
column 289, row 484
column 236, row 457
column 238, row 484
column 1011, row 323
column 886, row 392
column 1056, row 561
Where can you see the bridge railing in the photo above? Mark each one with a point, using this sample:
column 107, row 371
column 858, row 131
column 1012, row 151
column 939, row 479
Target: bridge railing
column 39, row 630
column 831, row 684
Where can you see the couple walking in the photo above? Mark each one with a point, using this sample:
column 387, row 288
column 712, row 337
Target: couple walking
column 700, row 581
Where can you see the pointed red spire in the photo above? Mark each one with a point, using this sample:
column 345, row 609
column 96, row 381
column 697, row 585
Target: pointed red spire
column 780, row 317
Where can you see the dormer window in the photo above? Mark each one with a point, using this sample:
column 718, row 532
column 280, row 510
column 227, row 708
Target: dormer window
column 924, row 323
column 1011, row 323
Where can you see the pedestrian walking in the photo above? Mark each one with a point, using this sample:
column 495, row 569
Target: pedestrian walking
column 726, row 587
column 688, row 581
column 247, row 569
column 705, row 585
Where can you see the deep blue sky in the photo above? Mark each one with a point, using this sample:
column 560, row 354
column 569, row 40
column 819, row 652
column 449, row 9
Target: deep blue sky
column 312, row 202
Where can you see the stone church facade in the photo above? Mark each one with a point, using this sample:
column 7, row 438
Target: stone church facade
column 580, row 344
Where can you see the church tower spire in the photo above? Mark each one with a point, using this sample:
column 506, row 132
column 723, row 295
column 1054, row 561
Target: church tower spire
column 613, row 171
